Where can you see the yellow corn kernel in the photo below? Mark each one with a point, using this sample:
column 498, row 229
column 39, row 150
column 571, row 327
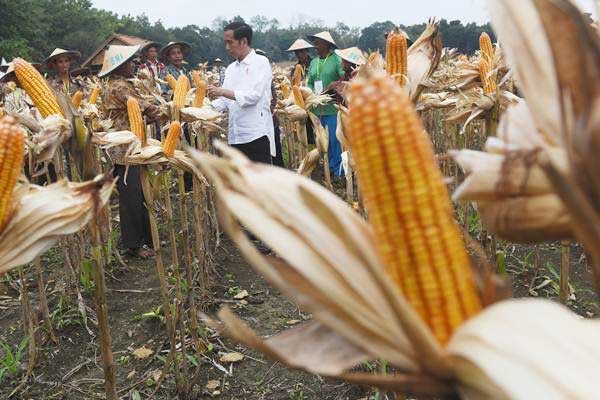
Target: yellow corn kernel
column 298, row 72
column 76, row 99
column 196, row 77
column 37, row 88
column 200, row 93
column 171, row 81
column 181, row 89
column 396, row 56
column 172, row 139
column 12, row 142
column 298, row 98
column 486, row 47
column 488, row 80
column 136, row 123
column 94, row 95
column 409, row 207
column 285, row 90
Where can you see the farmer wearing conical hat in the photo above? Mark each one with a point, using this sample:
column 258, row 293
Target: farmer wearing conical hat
column 135, row 225
column 219, row 68
column 301, row 49
column 173, row 55
column 324, row 70
column 150, row 59
column 352, row 58
column 14, row 98
column 60, row 61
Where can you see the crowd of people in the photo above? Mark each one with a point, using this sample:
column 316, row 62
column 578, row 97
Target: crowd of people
column 244, row 89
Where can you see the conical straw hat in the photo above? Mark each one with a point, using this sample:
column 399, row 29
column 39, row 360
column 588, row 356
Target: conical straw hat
column 353, row 55
column 72, row 54
column 300, row 44
column 326, row 36
column 116, row 56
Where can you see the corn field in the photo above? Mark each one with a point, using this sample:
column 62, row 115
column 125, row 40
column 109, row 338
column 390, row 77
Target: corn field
column 456, row 257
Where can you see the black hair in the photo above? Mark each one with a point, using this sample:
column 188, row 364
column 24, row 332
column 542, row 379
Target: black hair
column 240, row 30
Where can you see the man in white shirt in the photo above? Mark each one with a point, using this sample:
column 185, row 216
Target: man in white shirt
column 246, row 94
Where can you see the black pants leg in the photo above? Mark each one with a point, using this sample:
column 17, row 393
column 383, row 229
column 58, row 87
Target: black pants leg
column 257, row 150
column 278, row 159
column 133, row 215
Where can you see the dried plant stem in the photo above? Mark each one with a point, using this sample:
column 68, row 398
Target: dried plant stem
column 110, row 384
column 197, row 195
column 289, row 140
column 564, row 272
column 303, row 139
column 164, row 288
column 179, row 306
column 43, row 299
column 586, row 223
column 326, row 172
column 187, row 261
column 349, row 183
column 29, row 322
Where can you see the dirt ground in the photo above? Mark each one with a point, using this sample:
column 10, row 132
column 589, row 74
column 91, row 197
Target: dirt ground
column 71, row 369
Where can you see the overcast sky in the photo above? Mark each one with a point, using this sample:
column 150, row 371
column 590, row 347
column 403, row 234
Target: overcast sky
column 352, row 12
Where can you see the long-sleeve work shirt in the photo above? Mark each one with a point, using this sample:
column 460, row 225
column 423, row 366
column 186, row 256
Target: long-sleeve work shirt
column 249, row 114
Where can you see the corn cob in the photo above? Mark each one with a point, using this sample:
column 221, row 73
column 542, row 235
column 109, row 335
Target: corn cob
column 396, row 56
column 486, row 47
column 94, row 95
column 76, row 99
column 298, row 72
column 196, row 77
column 172, row 139
column 298, row 98
column 200, row 93
column 285, row 90
column 136, row 123
column 487, row 79
column 36, row 87
column 12, row 142
column 409, row 207
column 171, row 81
column 180, row 92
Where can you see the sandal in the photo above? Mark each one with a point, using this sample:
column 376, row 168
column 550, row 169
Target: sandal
column 143, row 252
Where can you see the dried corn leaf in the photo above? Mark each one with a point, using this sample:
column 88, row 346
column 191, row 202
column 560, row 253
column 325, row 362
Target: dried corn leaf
column 306, row 224
column 527, row 349
column 44, row 214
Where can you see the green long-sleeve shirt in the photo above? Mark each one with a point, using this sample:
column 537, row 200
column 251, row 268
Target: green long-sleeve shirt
column 327, row 69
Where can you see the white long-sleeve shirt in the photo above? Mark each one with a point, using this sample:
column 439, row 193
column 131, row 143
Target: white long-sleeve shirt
column 250, row 113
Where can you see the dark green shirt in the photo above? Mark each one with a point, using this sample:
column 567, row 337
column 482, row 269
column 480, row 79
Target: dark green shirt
column 328, row 69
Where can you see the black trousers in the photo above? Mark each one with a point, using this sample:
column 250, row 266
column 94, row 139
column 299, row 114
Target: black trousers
column 133, row 215
column 278, row 159
column 257, row 150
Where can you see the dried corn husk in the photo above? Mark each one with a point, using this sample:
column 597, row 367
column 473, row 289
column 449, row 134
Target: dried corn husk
column 192, row 114
column 423, row 59
column 55, row 130
column 44, row 214
column 329, row 267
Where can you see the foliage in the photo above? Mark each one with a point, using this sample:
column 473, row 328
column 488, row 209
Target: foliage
column 33, row 28
column 10, row 361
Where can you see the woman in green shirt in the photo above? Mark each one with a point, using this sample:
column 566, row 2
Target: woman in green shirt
column 324, row 71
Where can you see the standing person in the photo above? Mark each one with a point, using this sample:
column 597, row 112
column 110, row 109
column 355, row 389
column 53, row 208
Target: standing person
column 60, row 62
column 324, row 70
column 301, row 49
column 219, row 69
column 278, row 158
column 173, row 55
column 135, row 224
column 352, row 58
column 150, row 59
column 246, row 94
